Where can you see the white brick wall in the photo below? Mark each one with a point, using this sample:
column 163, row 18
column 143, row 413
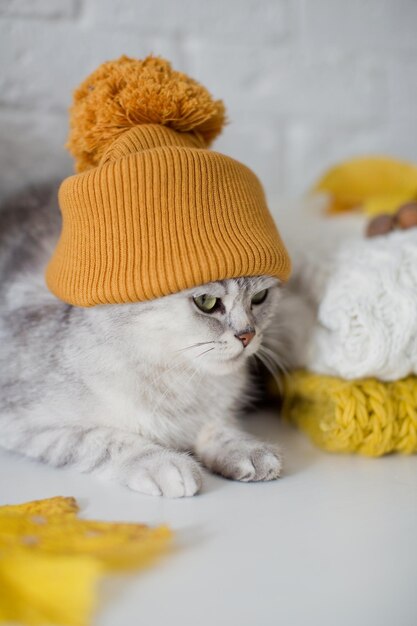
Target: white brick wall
column 306, row 82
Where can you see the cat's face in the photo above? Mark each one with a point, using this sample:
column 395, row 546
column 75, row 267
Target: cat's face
column 215, row 327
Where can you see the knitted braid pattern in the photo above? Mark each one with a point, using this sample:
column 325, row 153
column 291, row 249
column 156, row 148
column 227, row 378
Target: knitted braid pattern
column 368, row 416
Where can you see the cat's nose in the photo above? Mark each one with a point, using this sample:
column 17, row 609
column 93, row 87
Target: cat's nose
column 246, row 337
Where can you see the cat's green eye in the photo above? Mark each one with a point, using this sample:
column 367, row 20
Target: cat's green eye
column 206, row 303
column 260, row 297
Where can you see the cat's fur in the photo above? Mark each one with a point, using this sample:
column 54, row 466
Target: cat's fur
column 139, row 393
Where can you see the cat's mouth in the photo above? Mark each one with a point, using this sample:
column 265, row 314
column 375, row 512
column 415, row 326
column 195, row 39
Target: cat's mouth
column 243, row 354
column 224, row 359
column 236, row 358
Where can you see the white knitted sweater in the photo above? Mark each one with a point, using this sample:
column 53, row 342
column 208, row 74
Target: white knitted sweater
column 352, row 305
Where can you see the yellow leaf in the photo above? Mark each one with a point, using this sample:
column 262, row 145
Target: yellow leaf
column 366, row 181
column 385, row 204
column 39, row 589
column 50, row 506
column 50, row 559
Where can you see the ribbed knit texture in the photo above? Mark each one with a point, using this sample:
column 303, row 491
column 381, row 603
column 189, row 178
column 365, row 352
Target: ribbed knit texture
column 158, row 215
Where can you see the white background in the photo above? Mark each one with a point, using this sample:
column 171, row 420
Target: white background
column 306, row 82
column 332, row 543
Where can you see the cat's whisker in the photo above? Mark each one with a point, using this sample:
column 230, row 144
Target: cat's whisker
column 196, row 345
column 203, row 353
column 266, row 359
column 174, row 367
column 158, row 405
column 274, row 357
column 265, row 350
column 270, row 369
column 184, row 384
column 276, row 366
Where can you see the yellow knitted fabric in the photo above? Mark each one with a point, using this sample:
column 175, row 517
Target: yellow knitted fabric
column 368, row 416
column 155, row 211
column 51, row 561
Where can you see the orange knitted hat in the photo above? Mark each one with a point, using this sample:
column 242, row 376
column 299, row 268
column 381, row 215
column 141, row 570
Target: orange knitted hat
column 152, row 210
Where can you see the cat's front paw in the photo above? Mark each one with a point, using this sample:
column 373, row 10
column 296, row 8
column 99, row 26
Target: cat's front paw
column 248, row 461
column 165, row 473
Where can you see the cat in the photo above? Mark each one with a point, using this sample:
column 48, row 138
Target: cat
column 144, row 394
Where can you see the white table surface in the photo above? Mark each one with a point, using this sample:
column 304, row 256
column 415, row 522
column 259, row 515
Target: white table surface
column 333, row 543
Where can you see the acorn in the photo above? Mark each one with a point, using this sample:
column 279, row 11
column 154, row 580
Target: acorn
column 406, row 216
column 380, row 225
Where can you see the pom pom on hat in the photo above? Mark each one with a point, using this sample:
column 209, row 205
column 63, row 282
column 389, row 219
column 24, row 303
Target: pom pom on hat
column 127, row 92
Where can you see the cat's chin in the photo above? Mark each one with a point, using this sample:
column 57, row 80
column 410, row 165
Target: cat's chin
column 221, row 367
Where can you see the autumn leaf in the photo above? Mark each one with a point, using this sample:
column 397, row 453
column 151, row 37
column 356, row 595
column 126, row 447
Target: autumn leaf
column 372, row 184
column 51, row 560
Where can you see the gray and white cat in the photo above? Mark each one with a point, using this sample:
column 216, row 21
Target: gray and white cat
column 138, row 393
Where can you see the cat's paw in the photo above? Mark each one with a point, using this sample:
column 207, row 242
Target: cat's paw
column 248, row 461
column 165, row 473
